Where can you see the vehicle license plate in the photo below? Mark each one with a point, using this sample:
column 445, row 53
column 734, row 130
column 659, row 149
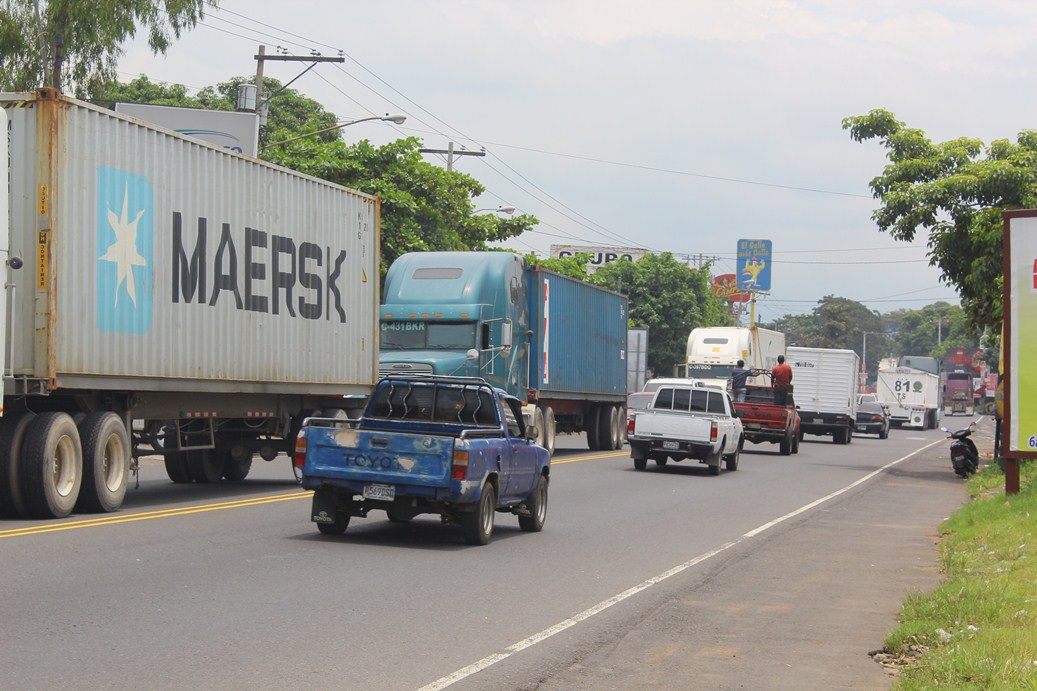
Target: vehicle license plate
column 862, row 428
column 379, row 492
column 818, row 421
column 671, row 445
column 752, row 425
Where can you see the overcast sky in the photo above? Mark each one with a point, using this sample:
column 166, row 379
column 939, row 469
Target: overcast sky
column 673, row 125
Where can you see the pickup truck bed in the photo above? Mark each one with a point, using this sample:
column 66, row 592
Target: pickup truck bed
column 763, row 421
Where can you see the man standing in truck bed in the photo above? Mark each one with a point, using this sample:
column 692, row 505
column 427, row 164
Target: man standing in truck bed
column 782, row 378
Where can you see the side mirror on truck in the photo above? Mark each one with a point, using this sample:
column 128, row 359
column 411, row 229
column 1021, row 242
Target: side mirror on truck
column 532, row 433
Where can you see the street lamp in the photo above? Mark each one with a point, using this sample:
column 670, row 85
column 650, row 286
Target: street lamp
column 500, row 210
column 395, row 119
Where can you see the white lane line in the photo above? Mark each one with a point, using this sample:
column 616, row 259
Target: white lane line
column 493, row 659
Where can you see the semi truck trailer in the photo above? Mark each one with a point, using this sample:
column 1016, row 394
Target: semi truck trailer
column 166, row 296
column 556, row 343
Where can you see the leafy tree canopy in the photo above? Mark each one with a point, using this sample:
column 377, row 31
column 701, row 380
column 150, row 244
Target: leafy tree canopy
column 76, row 44
column 424, row 207
column 955, row 191
column 668, row 299
column 574, row 266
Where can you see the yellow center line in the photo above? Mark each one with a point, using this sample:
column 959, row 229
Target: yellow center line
column 205, row 508
column 151, row 515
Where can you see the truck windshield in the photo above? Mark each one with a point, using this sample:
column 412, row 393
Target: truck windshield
column 418, row 335
column 704, row 371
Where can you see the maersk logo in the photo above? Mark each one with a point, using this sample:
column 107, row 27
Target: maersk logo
column 125, row 223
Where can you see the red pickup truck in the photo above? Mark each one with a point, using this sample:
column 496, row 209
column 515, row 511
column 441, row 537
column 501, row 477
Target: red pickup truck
column 764, row 421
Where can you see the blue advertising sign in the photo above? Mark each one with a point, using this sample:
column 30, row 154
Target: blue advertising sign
column 754, row 265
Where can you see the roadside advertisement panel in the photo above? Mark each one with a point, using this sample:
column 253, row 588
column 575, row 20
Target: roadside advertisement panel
column 754, row 265
column 1020, row 334
column 231, row 130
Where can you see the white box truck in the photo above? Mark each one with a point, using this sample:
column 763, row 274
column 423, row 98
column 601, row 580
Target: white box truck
column 824, row 383
column 913, row 396
column 166, row 296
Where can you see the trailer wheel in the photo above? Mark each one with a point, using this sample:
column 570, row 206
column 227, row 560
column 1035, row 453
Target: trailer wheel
column 619, row 426
column 12, row 432
column 478, row 524
column 608, row 429
column 534, row 522
column 52, row 466
column 236, row 467
column 590, row 426
column 176, row 467
column 550, row 429
column 106, row 462
column 538, row 422
column 204, row 466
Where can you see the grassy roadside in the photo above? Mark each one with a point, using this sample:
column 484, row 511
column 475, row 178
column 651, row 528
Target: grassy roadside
column 979, row 628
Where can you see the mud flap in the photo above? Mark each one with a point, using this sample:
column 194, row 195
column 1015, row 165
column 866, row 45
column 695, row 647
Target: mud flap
column 323, row 510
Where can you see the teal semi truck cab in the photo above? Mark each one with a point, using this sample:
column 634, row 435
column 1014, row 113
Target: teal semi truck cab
column 555, row 343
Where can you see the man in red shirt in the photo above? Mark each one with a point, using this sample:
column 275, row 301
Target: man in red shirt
column 781, row 377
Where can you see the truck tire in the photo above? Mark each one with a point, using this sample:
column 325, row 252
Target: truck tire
column 640, row 462
column 839, row 436
column 590, row 426
column 237, row 463
column 176, row 467
column 550, row 429
column 538, row 422
column 478, row 524
column 661, row 461
column 204, row 466
column 731, row 460
column 51, row 471
column 620, row 425
column 608, row 428
column 796, row 438
column 106, row 462
column 534, row 522
column 849, row 434
column 785, row 445
column 12, row 432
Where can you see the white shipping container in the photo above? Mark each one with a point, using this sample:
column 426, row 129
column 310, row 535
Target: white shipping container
column 156, row 262
column 824, row 380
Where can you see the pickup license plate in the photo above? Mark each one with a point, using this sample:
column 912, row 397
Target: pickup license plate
column 752, row 425
column 671, row 445
column 818, row 421
column 379, row 492
column 862, row 428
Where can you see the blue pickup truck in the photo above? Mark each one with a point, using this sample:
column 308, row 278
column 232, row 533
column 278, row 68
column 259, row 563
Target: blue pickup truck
column 453, row 446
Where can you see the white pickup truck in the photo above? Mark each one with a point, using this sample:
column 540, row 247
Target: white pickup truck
column 687, row 420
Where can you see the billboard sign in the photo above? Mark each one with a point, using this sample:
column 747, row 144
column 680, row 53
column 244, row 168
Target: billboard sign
column 725, row 287
column 231, row 130
column 1020, row 333
column 754, row 265
column 600, row 256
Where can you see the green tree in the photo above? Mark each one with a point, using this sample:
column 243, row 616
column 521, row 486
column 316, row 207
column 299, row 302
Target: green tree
column 574, row 267
column 932, row 329
column 955, row 191
column 77, row 43
column 666, row 297
column 143, row 90
column 424, row 207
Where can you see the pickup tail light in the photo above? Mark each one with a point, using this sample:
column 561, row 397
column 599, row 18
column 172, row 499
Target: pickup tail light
column 630, row 425
column 299, row 458
column 713, row 431
column 459, row 464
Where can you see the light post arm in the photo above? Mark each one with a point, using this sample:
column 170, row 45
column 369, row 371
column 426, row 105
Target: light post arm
column 396, row 119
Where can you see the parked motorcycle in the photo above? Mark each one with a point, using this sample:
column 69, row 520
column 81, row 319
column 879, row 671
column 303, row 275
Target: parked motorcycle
column 964, row 454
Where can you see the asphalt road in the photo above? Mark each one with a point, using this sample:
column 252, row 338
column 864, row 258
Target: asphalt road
column 664, row 578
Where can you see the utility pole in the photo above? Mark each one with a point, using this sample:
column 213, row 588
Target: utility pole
column 450, row 152
column 262, row 57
